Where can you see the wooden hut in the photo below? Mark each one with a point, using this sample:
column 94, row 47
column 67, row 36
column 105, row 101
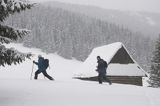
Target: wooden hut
column 122, row 67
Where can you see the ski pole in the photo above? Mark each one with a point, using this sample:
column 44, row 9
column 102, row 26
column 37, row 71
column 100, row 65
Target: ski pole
column 32, row 71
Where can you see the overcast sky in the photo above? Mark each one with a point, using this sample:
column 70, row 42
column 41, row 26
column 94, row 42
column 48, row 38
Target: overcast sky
column 134, row 5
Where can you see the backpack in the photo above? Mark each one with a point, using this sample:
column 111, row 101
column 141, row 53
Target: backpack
column 105, row 64
column 46, row 63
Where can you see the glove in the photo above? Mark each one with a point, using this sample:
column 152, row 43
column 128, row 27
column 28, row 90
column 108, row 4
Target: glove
column 96, row 70
column 33, row 61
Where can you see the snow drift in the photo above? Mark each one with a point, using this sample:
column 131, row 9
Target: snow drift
column 16, row 88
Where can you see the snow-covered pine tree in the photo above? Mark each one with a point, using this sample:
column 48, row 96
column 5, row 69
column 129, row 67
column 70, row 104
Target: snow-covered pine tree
column 154, row 79
column 8, row 33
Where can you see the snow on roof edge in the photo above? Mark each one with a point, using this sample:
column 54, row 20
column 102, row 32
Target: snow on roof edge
column 119, row 45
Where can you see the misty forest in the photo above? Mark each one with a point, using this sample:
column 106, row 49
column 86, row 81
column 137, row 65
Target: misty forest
column 74, row 35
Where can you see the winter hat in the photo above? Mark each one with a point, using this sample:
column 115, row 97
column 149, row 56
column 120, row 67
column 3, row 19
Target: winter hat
column 98, row 57
column 39, row 56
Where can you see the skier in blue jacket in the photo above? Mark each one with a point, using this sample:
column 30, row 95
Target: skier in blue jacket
column 41, row 68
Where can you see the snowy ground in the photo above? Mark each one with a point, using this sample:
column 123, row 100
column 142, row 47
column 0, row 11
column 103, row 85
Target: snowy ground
column 16, row 88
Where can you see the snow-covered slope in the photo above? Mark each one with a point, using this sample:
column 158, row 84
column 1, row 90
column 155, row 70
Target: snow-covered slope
column 16, row 88
column 60, row 68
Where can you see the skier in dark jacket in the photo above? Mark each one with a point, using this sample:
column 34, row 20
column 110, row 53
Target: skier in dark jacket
column 41, row 68
column 101, row 69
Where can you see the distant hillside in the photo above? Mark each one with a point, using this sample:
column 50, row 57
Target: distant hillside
column 73, row 35
column 146, row 23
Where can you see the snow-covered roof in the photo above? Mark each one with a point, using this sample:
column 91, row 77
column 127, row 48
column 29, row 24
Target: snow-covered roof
column 107, row 53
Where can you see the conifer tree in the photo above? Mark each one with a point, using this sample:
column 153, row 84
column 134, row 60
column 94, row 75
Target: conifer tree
column 9, row 33
column 154, row 79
